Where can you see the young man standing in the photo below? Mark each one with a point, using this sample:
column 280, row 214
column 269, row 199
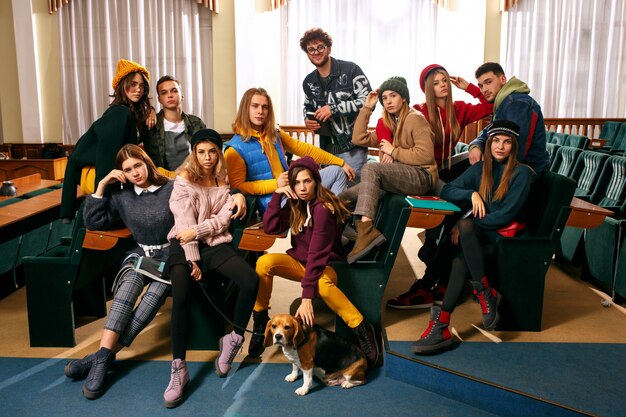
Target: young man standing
column 512, row 102
column 168, row 142
column 334, row 93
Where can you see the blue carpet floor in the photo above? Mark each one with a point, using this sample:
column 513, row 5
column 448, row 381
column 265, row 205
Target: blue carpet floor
column 588, row 377
column 37, row 387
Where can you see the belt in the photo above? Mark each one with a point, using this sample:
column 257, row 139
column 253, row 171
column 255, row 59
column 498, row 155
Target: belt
column 148, row 249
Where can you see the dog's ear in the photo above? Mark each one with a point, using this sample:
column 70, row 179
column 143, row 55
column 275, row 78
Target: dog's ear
column 299, row 332
column 268, row 334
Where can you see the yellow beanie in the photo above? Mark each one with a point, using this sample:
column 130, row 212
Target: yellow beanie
column 125, row 67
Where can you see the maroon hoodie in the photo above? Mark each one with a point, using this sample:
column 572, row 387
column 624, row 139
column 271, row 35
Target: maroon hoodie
column 316, row 246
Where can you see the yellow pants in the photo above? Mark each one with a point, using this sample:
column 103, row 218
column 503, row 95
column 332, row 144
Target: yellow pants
column 284, row 265
column 88, row 178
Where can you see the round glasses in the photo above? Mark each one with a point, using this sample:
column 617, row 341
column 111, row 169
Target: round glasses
column 318, row 50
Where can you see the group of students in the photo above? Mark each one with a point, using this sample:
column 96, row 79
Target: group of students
column 184, row 221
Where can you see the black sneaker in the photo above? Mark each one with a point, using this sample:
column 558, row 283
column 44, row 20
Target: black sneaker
column 94, row 384
column 257, row 342
column 79, row 368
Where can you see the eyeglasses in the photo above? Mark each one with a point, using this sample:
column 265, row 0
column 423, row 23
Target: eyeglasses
column 319, row 49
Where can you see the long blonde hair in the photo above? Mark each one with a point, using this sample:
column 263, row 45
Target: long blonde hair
column 298, row 207
column 486, row 180
column 192, row 167
column 242, row 124
column 433, row 111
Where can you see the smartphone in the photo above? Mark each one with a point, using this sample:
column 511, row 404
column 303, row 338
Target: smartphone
column 311, row 115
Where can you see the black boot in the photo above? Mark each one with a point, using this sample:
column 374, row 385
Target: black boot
column 368, row 342
column 79, row 368
column 94, row 384
column 489, row 300
column 257, row 342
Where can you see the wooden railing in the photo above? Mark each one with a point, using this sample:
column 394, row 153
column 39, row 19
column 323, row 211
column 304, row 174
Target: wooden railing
column 589, row 127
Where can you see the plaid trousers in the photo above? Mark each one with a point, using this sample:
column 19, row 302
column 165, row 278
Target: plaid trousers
column 377, row 178
column 126, row 320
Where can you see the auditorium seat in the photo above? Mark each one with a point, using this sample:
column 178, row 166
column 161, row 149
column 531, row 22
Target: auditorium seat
column 577, row 141
column 564, row 160
column 609, row 192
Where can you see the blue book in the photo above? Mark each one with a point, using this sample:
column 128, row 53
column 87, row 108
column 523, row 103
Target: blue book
column 431, row 202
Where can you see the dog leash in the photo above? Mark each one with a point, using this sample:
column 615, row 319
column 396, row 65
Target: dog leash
column 202, row 285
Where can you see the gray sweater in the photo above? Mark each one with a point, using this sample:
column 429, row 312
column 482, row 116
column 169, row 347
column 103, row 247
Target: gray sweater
column 147, row 216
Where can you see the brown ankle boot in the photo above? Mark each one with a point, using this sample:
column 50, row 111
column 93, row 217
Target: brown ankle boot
column 367, row 238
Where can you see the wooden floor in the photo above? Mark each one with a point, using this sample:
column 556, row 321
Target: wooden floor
column 572, row 313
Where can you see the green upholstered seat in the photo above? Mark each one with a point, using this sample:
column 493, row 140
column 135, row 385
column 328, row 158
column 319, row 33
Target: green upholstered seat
column 523, row 261
column 65, row 281
column 564, row 160
column 364, row 281
column 616, row 135
column 606, row 252
column 559, row 138
column 609, row 192
column 587, row 171
column 577, row 141
column 552, row 149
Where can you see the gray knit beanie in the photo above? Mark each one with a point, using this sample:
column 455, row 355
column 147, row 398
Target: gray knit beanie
column 397, row 84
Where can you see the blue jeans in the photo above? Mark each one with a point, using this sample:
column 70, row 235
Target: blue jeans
column 334, row 178
column 356, row 158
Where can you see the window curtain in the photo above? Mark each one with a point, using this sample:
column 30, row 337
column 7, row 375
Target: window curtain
column 572, row 55
column 384, row 39
column 166, row 36
column 214, row 5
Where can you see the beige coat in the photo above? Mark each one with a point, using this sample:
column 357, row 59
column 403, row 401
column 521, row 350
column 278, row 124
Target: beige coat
column 413, row 146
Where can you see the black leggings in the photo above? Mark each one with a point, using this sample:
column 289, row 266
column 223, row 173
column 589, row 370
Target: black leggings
column 474, row 246
column 234, row 268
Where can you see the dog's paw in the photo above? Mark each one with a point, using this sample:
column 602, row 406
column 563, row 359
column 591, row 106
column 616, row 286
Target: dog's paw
column 348, row 384
column 302, row 391
column 291, row 377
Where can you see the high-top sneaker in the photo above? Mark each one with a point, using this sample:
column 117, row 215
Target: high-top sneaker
column 79, row 368
column 368, row 237
column 257, row 342
column 437, row 336
column 179, row 378
column 230, row 345
column 416, row 297
column 368, row 342
column 94, row 384
column 489, row 300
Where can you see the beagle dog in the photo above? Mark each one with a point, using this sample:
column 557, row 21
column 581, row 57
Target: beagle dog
column 332, row 359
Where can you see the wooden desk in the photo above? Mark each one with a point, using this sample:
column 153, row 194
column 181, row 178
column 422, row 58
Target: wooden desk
column 30, row 183
column 586, row 215
column 255, row 239
column 104, row 239
column 427, row 218
column 24, row 216
column 596, row 143
column 50, row 169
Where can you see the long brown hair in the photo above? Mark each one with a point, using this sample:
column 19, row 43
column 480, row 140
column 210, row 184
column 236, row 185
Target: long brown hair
column 326, row 197
column 486, row 181
column 395, row 123
column 133, row 151
column 140, row 109
column 193, row 169
column 433, row 111
column 242, row 125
